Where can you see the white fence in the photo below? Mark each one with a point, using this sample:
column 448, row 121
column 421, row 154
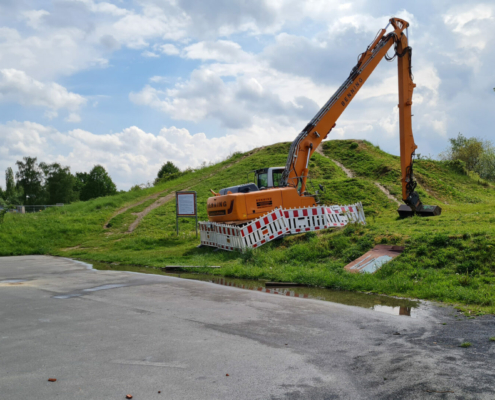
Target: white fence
column 277, row 223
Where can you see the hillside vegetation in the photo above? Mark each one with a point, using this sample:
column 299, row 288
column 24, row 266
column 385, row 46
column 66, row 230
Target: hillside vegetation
column 448, row 258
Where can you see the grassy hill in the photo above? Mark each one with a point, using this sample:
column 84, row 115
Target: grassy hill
column 448, row 258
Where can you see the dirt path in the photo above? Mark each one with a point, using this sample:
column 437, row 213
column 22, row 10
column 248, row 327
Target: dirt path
column 387, row 193
column 147, row 210
column 350, row 174
column 162, row 200
column 123, row 210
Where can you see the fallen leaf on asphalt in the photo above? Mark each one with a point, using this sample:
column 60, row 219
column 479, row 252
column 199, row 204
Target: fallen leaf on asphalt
column 52, row 380
column 227, row 375
column 129, row 396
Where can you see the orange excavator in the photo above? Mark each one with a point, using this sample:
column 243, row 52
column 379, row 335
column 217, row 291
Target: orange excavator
column 286, row 187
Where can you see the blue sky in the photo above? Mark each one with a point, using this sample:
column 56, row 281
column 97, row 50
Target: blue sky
column 133, row 84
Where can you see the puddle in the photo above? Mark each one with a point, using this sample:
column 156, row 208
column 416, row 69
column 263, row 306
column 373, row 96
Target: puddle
column 384, row 304
column 13, row 281
column 389, row 305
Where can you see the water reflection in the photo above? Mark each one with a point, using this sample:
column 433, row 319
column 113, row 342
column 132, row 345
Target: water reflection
column 385, row 304
column 389, row 305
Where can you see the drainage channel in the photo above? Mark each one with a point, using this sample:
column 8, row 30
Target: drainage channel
column 380, row 303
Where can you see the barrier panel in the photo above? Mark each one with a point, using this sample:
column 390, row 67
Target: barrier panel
column 228, row 237
column 306, row 219
column 336, row 216
column 207, row 234
column 264, row 229
column 277, row 223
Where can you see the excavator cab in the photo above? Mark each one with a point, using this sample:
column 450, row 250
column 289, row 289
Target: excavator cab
column 264, row 178
column 268, row 177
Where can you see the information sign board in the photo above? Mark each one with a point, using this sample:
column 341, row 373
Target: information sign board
column 186, row 204
column 185, row 207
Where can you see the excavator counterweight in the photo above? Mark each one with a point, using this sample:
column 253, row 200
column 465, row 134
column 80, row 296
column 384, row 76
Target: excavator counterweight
column 240, row 204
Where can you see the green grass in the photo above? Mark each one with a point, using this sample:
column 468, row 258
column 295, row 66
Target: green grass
column 450, row 258
column 466, row 345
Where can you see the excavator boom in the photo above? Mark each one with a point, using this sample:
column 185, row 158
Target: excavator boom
column 296, row 170
column 323, row 122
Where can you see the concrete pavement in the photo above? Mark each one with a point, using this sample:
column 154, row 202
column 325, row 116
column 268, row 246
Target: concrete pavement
column 105, row 334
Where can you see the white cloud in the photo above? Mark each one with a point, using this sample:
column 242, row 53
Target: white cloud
column 17, row 87
column 50, row 114
column 48, row 55
column 222, row 50
column 159, row 79
column 34, row 17
column 79, row 34
column 131, row 156
column 136, row 30
column 104, row 8
column 168, row 49
column 466, row 22
column 149, row 54
column 235, row 104
column 73, row 117
column 22, row 139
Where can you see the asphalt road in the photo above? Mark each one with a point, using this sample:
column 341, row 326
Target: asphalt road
column 106, row 334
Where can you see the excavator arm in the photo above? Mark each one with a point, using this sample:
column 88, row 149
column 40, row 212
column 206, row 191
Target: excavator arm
column 296, row 170
column 238, row 204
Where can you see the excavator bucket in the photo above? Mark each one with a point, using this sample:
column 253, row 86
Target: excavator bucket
column 426, row 211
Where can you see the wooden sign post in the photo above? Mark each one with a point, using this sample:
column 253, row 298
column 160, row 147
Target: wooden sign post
column 185, row 206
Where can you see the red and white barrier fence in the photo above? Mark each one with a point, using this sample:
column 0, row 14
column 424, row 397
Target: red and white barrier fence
column 264, row 229
column 277, row 223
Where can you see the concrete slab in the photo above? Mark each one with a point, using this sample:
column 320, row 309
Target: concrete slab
column 374, row 259
column 105, row 334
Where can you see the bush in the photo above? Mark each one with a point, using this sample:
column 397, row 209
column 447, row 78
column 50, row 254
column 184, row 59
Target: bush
column 135, row 188
column 167, row 172
column 168, row 177
column 458, row 166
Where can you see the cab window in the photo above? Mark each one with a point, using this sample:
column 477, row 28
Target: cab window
column 277, row 175
column 263, row 180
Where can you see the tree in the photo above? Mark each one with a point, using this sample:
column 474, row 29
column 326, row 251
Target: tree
column 81, row 179
column 59, row 184
column 9, row 182
column 168, row 171
column 13, row 193
column 476, row 154
column 468, row 150
column 98, row 184
column 30, row 178
column 486, row 165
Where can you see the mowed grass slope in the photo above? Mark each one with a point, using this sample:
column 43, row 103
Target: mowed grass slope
column 448, row 258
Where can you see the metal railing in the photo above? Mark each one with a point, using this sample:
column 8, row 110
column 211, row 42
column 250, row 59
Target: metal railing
column 31, row 208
